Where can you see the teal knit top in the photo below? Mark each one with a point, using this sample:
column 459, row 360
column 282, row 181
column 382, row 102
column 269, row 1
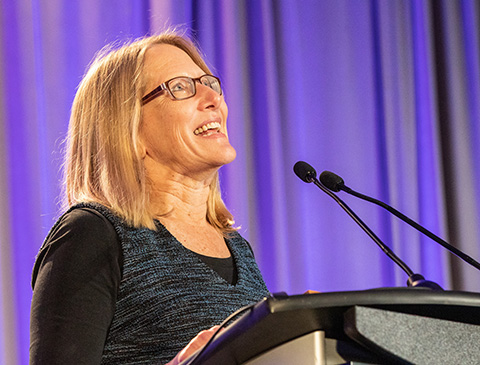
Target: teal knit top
column 166, row 294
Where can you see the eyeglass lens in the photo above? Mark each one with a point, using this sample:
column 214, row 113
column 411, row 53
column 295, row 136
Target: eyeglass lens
column 184, row 87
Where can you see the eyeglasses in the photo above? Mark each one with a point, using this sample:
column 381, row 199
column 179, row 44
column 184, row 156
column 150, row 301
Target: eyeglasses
column 183, row 87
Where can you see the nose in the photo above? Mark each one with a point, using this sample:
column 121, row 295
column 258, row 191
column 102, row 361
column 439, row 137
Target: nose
column 209, row 98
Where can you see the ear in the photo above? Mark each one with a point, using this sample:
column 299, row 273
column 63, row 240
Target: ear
column 142, row 150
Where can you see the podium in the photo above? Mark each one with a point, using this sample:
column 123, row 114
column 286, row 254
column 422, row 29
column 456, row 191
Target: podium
column 379, row 326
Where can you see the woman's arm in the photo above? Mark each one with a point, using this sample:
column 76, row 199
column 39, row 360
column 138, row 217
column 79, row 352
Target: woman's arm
column 75, row 281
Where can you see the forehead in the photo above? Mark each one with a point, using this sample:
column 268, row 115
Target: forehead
column 165, row 61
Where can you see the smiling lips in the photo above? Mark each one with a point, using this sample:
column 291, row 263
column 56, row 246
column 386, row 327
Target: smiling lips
column 208, row 129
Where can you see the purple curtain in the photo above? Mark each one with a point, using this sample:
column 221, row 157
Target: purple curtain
column 385, row 94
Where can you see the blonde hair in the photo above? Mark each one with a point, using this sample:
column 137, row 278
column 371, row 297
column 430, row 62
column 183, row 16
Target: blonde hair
column 103, row 163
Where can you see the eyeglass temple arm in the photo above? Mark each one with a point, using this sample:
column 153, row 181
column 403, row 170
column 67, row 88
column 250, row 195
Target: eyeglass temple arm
column 153, row 94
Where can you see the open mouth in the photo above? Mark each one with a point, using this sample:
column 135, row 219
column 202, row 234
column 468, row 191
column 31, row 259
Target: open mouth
column 208, row 129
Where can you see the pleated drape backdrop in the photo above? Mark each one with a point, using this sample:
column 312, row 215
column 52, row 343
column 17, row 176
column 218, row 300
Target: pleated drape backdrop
column 384, row 93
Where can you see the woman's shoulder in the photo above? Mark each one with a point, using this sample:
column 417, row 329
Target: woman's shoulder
column 83, row 222
column 237, row 240
column 80, row 235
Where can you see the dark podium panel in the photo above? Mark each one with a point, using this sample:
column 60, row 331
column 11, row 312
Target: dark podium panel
column 380, row 326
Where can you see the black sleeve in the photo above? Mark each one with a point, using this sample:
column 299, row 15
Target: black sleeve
column 75, row 279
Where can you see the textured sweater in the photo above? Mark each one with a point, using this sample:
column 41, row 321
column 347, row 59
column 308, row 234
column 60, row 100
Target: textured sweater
column 167, row 294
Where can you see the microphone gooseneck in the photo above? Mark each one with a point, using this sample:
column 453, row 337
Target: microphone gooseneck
column 308, row 174
column 335, row 183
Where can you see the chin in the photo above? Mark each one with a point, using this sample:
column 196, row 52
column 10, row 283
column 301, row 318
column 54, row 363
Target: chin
column 230, row 156
column 224, row 160
column 221, row 157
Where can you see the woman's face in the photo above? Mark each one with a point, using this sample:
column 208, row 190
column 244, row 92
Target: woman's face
column 170, row 128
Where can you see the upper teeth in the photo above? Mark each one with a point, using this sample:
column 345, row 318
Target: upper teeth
column 206, row 127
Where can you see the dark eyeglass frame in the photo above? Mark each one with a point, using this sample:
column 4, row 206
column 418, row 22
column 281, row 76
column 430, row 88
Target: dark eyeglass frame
column 166, row 87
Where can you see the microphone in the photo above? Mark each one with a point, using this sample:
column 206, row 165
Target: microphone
column 335, row 183
column 308, row 174
column 305, row 172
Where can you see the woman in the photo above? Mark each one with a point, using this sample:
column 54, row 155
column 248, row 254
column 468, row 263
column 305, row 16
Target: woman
column 146, row 255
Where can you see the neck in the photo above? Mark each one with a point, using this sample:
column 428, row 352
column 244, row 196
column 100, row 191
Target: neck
column 178, row 197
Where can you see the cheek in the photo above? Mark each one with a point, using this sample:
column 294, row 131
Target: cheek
column 151, row 132
column 169, row 127
column 154, row 123
column 161, row 138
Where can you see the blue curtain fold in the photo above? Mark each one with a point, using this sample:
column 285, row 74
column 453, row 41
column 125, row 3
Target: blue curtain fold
column 385, row 94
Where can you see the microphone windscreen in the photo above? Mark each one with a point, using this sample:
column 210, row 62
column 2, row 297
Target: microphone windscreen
column 331, row 181
column 304, row 171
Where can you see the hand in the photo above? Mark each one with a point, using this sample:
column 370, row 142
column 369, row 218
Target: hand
column 198, row 342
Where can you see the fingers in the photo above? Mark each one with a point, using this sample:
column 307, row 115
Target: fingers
column 196, row 343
